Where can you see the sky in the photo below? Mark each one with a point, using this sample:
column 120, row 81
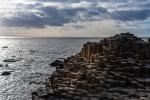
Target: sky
column 74, row 18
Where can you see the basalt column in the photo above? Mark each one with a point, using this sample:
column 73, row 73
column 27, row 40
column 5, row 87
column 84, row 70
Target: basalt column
column 83, row 51
column 148, row 39
column 116, row 68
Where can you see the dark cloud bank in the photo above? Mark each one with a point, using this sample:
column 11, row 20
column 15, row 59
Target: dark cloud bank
column 54, row 16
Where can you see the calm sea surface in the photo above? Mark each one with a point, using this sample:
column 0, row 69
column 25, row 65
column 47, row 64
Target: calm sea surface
column 34, row 55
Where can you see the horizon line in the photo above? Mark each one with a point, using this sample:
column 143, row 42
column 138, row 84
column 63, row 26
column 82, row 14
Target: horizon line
column 19, row 37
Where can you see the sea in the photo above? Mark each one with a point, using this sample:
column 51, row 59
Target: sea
column 30, row 62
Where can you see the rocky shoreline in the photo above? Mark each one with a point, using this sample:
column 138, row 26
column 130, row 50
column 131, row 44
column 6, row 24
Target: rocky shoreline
column 116, row 68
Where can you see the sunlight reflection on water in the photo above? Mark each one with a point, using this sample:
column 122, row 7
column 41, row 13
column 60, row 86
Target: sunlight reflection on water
column 33, row 67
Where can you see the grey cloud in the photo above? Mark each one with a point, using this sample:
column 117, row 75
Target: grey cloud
column 131, row 15
column 74, row 1
column 53, row 16
column 24, row 20
column 28, row 6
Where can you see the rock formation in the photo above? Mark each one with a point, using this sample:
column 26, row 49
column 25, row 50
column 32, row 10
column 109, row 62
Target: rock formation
column 6, row 73
column 116, row 68
column 57, row 63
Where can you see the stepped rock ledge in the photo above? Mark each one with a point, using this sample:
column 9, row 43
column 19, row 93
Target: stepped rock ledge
column 116, row 68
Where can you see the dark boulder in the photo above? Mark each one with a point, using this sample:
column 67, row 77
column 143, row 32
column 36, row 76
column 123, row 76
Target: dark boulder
column 10, row 60
column 32, row 51
column 5, row 47
column 1, row 65
column 57, row 63
column 6, row 73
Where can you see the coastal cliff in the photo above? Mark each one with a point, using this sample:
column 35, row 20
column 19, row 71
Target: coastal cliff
column 116, row 68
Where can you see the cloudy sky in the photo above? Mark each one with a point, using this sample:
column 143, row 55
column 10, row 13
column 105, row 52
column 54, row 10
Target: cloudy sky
column 74, row 18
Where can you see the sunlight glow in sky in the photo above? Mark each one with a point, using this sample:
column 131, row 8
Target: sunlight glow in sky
column 77, row 18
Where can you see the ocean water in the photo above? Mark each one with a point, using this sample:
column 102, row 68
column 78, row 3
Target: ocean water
column 32, row 68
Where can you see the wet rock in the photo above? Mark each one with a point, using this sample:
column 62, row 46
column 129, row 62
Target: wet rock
column 6, row 73
column 57, row 63
column 35, row 82
column 10, row 60
column 6, row 65
column 1, row 65
column 14, row 56
column 32, row 51
column 5, row 47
